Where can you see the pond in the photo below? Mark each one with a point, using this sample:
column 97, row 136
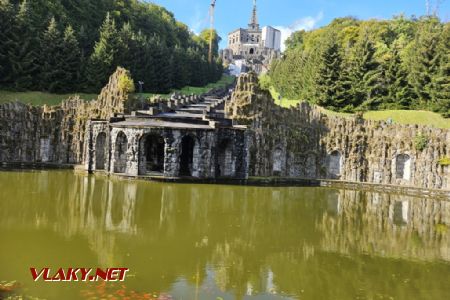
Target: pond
column 186, row 241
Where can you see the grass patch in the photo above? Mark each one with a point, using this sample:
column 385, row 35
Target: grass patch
column 419, row 117
column 223, row 82
column 40, row 98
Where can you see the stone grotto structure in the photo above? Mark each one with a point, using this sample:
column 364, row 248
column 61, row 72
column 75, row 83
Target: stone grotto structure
column 185, row 136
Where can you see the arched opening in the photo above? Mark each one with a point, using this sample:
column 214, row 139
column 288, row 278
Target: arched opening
column 120, row 153
column 187, row 155
column 310, row 171
column 225, row 164
column 335, row 164
column 45, row 149
column 277, row 161
column 252, row 51
column 403, row 167
column 100, row 151
column 152, row 149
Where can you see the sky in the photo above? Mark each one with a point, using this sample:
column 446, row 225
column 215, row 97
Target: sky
column 293, row 15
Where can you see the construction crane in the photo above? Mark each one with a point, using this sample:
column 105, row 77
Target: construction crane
column 211, row 30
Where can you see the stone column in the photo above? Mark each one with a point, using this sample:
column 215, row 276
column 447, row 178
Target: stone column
column 133, row 152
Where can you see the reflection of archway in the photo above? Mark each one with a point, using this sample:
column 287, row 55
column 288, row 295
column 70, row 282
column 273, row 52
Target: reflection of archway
column 100, row 151
column 252, row 51
column 403, row 167
column 187, row 155
column 335, row 164
column 400, row 214
column 225, row 159
column 152, row 149
column 120, row 153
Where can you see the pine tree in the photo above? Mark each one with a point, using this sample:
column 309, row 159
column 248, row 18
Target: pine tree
column 425, row 61
column 441, row 81
column 83, row 80
column 162, row 66
column 72, row 59
column 328, row 88
column 22, row 54
column 6, row 40
column 363, row 72
column 104, row 59
column 181, row 67
column 399, row 93
column 143, row 62
column 52, row 61
column 127, row 41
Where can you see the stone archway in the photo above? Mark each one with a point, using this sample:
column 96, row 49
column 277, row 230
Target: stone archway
column 187, row 155
column 100, row 146
column 252, row 51
column 403, row 167
column 277, row 162
column 225, row 162
column 120, row 153
column 152, row 154
column 335, row 164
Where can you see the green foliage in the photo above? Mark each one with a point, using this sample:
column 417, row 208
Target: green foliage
column 329, row 91
column 352, row 65
column 421, row 142
column 51, row 59
column 22, row 54
column 104, row 60
column 441, row 82
column 264, row 82
column 72, row 59
column 126, row 84
column 75, row 45
column 445, row 161
column 6, row 35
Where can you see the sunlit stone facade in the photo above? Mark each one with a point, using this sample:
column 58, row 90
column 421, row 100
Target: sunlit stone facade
column 256, row 45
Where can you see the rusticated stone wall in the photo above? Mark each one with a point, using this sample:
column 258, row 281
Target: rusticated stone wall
column 56, row 133
column 304, row 142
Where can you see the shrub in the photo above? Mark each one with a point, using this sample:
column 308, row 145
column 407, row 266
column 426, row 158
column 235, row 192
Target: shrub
column 445, row 161
column 126, row 84
column 420, row 142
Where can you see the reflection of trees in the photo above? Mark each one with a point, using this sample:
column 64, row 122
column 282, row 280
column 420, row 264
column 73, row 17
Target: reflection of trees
column 254, row 240
column 387, row 225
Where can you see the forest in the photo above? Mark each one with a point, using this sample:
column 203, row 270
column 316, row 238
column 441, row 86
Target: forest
column 353, row 65
column 62, row 46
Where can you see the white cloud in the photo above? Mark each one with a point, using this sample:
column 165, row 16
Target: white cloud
column 306, row 23
column 198, row 21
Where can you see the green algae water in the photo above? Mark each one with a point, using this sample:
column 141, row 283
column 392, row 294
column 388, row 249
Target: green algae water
column 185, row 241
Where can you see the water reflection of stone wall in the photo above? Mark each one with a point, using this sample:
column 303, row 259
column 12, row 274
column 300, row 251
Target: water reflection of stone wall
column 387, row 225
